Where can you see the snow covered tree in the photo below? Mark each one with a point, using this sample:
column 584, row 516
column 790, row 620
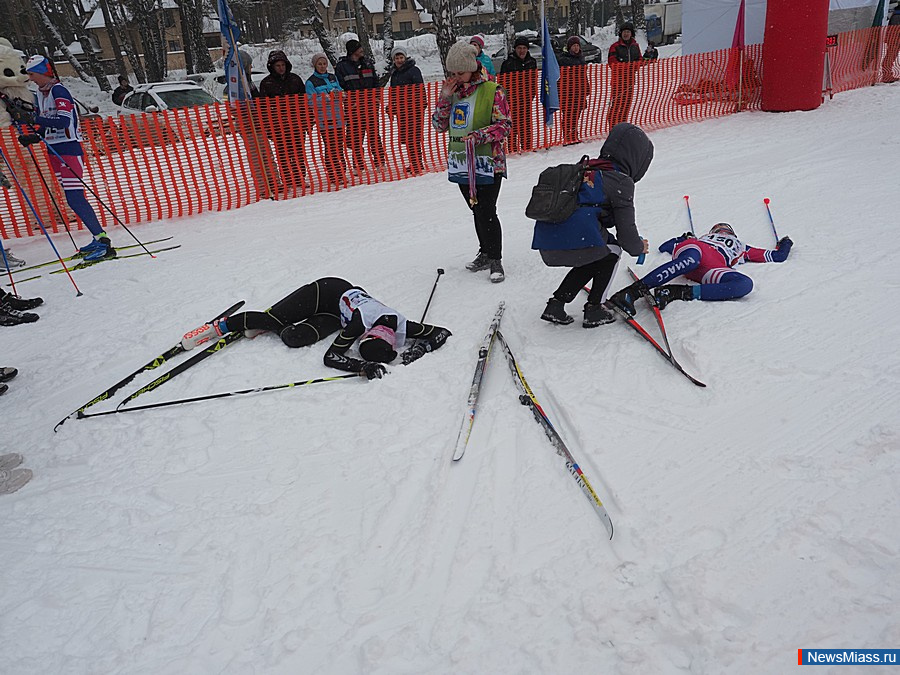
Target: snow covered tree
column 575, row 18
column 56, row 37
column 148, row 16
column 509, row 25
column 637, row 14
column 443, row 26
column 388, row 33
column 196, row 55
column 311, row 7
column 362, row 31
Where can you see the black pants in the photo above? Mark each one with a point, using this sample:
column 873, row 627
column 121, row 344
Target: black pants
column 599, row 273
column 487, row 224
column 309, row 314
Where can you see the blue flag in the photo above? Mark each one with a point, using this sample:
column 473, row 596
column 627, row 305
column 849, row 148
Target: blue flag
column 234, row 72
column 549, row 77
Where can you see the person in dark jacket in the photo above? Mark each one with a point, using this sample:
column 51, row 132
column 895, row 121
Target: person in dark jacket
column 522, row 89
column 574, row 88
column 893, row 48
column 407, row 102
column 120, row 92
column 323, row 307
column 288, row 121
column 651, row 53
column 584, row 241
column 356, row 74
column 624, row 59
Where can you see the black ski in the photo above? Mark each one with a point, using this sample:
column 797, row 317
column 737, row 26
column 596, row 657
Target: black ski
column 154, row 363
column 216, row 346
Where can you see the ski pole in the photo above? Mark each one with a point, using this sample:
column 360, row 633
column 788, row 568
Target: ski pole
column 97, row 197
column 38, row 219
column 771, row 220
column 8, row 270
column 440, row 271
column 687, row 202
column 210, row 397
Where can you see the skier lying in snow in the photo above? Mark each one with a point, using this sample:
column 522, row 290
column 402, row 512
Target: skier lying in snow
column 318, row 309
column 708, row 261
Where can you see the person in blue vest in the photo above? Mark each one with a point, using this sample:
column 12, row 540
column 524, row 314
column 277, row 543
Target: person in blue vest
column 332, row 305
column 473, row 108
column 584, row 242
column 323, row 94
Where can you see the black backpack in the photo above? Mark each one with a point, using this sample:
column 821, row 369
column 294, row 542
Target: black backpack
column 555, row 197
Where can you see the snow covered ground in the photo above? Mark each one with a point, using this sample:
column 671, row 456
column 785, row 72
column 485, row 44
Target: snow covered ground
column 324, row 530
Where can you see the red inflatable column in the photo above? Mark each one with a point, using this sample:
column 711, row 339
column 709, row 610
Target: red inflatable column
column 794, row 54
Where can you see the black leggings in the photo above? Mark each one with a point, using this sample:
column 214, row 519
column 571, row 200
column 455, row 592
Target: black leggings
column 307, row 315
column 599, row 273
column 487, row 224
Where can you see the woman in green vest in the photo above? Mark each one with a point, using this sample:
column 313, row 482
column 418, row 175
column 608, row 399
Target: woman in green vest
column 473, row 108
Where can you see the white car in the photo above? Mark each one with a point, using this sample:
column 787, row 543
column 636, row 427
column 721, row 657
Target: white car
column 156, row 96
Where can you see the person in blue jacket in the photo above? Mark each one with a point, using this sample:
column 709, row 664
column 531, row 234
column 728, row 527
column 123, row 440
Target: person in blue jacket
column 320, row 88
column 483, row 59
column 583, row 241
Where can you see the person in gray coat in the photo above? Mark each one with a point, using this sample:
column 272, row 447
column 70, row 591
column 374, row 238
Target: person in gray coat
column 584, row 241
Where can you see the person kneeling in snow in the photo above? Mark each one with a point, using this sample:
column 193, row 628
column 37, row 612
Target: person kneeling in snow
column 318, row 309
column 708, row 261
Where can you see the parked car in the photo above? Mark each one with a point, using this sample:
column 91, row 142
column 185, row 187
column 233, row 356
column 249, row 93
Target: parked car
column 165, row 96
column 498, row 57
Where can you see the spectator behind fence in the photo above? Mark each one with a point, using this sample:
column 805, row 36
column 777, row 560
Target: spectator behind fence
column 624, row 60
column 522, row 90
column 651, row 53
column 893, row 48
column 120, row 92
column 324, row 94
column 356, row 73
column 290, row 130
column 473, row 108
column 574, row 88
column 478, row 42
column 407, row 102
column 249, row 128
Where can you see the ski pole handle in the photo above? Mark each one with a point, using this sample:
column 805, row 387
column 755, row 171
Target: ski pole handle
column 440, row 271
column 771, row 220
column 687, row 202
column 641, row 258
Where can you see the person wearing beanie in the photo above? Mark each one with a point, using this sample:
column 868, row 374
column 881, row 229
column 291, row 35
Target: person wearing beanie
column 57, row 123
column 288, row 131
column 323, row 92
column 521, row 84
column 357, row 75
column 574, row 88
column 478, row 42
column 624, row 59
column 332, row 305
column 473, row 108
column 407, row 101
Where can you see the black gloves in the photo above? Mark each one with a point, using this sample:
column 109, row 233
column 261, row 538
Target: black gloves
column 22, row 112
column 429, row 344
column 414, row 353
column 782, row 249
column 687, row 235
column 29, row 139
column 373, row 370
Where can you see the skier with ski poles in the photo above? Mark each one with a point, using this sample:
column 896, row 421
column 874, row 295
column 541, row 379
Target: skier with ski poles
column 708, row 260
column 57, row 121
column 325, row 306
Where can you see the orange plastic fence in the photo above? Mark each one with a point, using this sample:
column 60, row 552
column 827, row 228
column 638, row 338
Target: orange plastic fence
column 183, row 162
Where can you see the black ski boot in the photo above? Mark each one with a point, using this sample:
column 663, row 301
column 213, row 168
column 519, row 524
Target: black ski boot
column 626, row 298
column 13, row 317
column 555, row 312
column 596, row 315
column 666, row 294
column 17, row 303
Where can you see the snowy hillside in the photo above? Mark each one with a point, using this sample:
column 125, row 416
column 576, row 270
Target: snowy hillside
column 324, row 529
